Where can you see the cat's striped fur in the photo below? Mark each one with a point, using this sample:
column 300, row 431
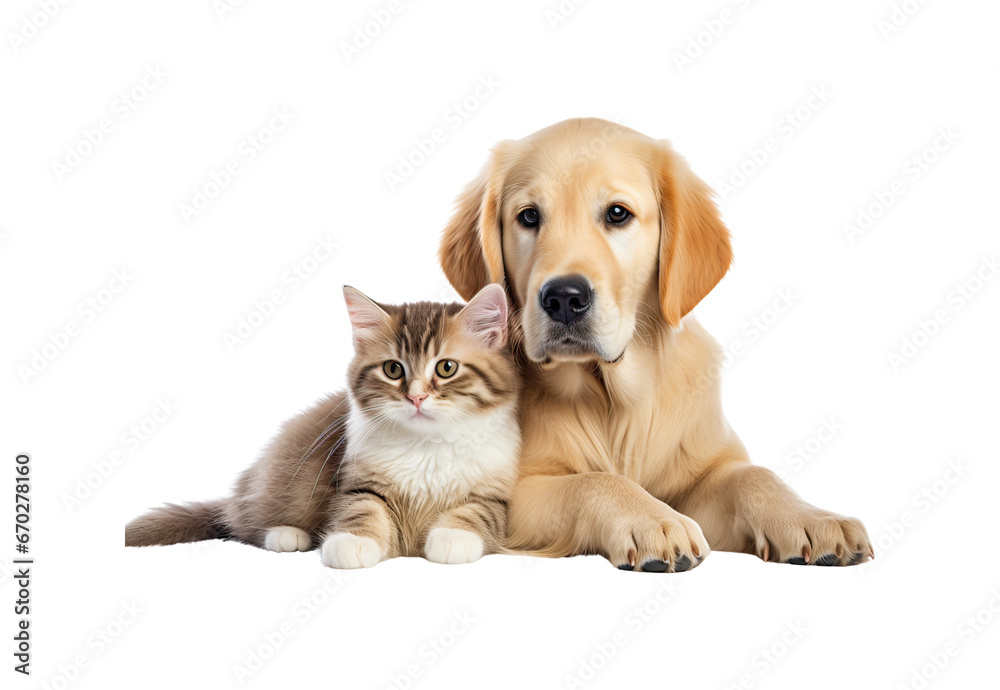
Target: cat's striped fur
column 367, row 465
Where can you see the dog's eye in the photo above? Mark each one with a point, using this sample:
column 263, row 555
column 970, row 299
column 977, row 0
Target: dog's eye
column 529, row 218
column 446, row 368
column 393, row 369
column 618, row 215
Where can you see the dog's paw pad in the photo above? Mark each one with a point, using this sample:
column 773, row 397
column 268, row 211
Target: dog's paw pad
column 655, row 566
column 667, row 543
column 810, row 536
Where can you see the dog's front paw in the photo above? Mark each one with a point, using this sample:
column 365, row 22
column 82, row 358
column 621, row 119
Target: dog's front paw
column 446, row 545
column 286, row 538
column 664, row 541
column 345, row 550
column 811, row 536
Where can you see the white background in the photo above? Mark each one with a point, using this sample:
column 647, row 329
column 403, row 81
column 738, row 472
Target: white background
column 206, row 609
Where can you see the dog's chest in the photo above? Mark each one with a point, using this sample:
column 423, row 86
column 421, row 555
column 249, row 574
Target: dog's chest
column 630, row 426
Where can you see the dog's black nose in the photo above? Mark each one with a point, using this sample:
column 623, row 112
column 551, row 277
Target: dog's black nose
column 566, row 299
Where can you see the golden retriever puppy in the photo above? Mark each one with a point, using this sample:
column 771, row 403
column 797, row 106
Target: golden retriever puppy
column 605, row 241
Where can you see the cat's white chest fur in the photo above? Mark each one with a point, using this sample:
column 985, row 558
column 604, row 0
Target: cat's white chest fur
column 438, row 461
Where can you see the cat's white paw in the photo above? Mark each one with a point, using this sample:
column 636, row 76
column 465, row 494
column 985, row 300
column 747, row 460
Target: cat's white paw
column 345, row 550
column 446, row 545
column 287, row 538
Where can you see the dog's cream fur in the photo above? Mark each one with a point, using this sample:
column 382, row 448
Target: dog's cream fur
column 626, row 451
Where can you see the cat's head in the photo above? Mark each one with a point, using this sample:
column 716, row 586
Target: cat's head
column 430, row 365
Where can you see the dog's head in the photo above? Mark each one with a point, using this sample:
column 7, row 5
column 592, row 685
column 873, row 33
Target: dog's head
column 587, row 223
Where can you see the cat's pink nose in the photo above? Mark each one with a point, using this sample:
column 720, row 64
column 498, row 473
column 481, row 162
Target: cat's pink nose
column 417, row 398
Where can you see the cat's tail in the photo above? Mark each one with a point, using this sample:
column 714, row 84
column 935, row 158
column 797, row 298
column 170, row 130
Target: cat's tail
column 177, row 524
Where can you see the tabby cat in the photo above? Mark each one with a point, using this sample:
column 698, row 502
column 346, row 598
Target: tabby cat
column 418, row 457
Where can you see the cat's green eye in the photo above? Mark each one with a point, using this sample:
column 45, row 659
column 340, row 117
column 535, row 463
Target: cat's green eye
column 446, row 368
column 393, row 369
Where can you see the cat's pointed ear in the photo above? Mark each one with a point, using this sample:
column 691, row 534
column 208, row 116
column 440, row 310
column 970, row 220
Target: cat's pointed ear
column 485, row 316
column 364, row 312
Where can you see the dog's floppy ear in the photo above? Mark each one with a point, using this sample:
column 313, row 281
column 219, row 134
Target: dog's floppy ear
column 470, row 251
column 695, row 251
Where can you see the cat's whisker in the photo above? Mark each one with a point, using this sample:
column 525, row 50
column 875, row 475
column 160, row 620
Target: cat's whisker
column 328, row 432
column 338, row 422
column 417, row 465
column 324, row 437
column 374, row 421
